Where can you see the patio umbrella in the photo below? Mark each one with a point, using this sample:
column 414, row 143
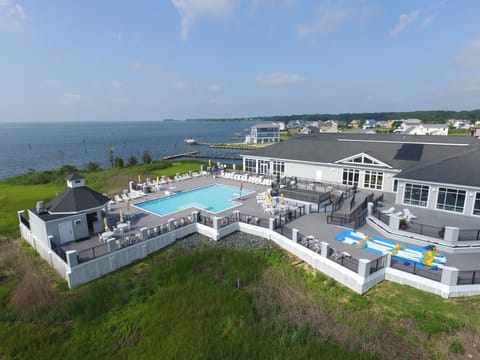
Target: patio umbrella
column 209, row 162
column 105, row 223
column 158, row 180
column 282, row 199
column 166, row 180
column 121, row 216
column 128, row 205
column 139, row 179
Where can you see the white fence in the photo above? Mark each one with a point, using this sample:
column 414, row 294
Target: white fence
column 360, row 281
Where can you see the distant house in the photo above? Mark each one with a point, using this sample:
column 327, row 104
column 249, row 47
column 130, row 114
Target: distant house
column 476, row 129
column 383, row 124
column 460, row 124
column 74, row 214
column 369, row 124
column 415, row 127
column 281, row 124
column 329, row 126
column 354, row 124
column 264, row 133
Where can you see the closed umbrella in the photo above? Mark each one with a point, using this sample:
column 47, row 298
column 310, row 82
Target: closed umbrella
column 121, row 216
column 158, row 180
column 105, row 223
column 128, row 205
column 139, row 179
column 282, row 199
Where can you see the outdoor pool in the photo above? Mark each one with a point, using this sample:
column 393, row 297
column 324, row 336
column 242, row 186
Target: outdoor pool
column 213, row 199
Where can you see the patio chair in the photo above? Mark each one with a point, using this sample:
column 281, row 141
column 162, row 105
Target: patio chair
column 118, row 198
column 408, row 215
column 388, row 211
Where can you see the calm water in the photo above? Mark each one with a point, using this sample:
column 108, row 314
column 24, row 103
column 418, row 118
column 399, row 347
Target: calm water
column 213, row 198
column 40, row 146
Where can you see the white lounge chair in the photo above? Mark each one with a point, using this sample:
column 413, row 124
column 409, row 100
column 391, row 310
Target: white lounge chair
column 388, row 211
column 118, row 198
column 408, row 215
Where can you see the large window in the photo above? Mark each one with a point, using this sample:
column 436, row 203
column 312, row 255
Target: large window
column 476, row 204
column 278, row 168
column 416, row 194
column 451, row 199
column 373, row 180
column 350, row 177
column 251, row 165
column 264, row 167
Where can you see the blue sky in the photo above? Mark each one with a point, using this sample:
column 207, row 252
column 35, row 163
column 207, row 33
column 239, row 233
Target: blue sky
column 151, row 60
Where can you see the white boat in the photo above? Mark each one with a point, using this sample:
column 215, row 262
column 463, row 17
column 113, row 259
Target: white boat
column 191, row 141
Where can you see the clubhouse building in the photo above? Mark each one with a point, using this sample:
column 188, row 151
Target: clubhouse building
column 436, row 173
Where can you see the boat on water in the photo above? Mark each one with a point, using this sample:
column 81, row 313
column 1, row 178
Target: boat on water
column 191, row 141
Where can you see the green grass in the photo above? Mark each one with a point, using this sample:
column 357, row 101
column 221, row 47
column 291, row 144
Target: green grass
column 172, row 305
column 179, row 305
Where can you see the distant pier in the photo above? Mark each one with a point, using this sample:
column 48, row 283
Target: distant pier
column 175, row 156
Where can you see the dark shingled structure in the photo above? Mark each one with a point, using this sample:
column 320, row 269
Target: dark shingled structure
column 445, row 159
column 77, row 199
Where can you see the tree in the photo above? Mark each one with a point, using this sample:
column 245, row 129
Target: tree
column 147, row 157
column 118, row 162
column 93, row 166
column 132, row 161
column 68, row 169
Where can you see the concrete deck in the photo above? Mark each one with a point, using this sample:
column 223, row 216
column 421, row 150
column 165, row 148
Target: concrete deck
column 313, row 224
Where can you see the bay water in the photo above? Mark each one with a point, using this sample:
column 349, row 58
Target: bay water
column 39, row 146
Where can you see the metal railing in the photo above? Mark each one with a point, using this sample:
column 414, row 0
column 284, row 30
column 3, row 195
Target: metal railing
column 92, row 253
column 255, row 220
column 377, row 264
column 345, row 260
column 468, row 277
column 385, row 218
column 423, row 229
column 469, row 235
column 414, row 268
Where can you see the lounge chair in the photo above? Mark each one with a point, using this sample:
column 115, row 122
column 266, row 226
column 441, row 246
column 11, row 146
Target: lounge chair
column 388, row 211
column 408, row 215
column 118, row 198
column 125, row 197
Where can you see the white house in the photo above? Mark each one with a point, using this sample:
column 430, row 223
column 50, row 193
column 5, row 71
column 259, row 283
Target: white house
column 264, row 133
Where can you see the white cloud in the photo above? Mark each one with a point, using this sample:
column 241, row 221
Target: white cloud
column 470, row 54
column 404, row 21
column 427, row 21
column 118, row 84
column 138, row 65
column 214, row 88
column 190, row 10
column 12, row 14
column 329, row 16
column 278, row 79
column 71, row 96
column 117, row 36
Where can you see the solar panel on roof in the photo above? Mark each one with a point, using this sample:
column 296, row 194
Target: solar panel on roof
column 411, row 152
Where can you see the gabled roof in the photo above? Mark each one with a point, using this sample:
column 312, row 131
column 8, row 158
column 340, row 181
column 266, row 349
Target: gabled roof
column 74, row 176
column 73, row 200
column 401, row 152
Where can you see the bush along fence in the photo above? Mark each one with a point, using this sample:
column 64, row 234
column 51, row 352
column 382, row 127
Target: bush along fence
column 358, row 274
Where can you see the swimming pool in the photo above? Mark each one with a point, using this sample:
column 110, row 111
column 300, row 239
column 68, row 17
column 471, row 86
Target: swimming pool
column 213, row 198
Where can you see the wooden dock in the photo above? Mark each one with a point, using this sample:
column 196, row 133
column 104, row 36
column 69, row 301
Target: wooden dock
column 175, row 156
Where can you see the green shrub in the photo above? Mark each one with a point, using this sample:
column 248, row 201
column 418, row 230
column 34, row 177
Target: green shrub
column 456, row 347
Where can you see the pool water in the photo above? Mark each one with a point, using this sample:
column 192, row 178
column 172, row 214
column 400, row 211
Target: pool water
column 213, row 199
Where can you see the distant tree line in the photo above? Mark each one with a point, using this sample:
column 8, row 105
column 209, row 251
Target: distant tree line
column 429, row 116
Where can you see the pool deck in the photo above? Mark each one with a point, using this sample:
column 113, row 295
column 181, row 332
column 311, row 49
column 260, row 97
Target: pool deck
column 314, row 224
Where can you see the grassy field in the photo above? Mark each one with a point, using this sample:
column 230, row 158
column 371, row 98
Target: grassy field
column 184, row 304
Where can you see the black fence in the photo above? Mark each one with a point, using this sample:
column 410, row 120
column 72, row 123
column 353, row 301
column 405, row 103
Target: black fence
column 423, row 229
column 385, row 218
column 92, row 253
column 469, row 235
column 255, row 220
column 377, row 264
column 343, row 259
column 468, row 277
column 206, row 220
column 59, row 251
column 24, row 220
column 416, row 269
